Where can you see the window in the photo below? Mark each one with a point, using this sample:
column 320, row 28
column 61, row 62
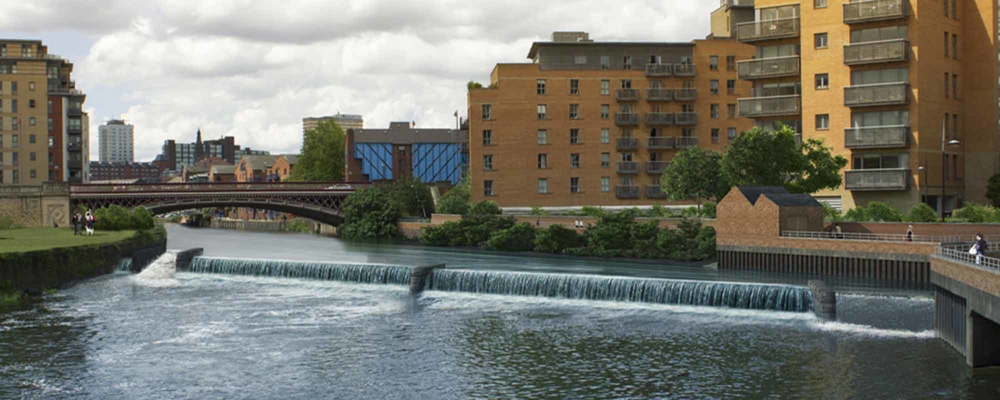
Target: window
column 487, row 111
column 947, row 77
column 580, row 60
column 13, row 142
column 31, row 139
column 31, row 104
column 946, row 44
column 543, row 136
column 605, row 135
column 876, row 76
column 731, row 110
column 574, row 111
column 730, row 134
column 730, row 63
column 543, row 186
column 488, row 162
column 879, row 34
column 50, row 107
column 954, row 126
column 626, row 83
column 731, row 87
column 713, row 87
column 954, row 86
column 819, row 4
column 574, row 136
column 713, row 63
column 880, row 161
column 605, row 184
column 13, row 106
column 605, row 87
column 822, row 41
column 543, row 161
column 15, row 175
column 51, row 125
column 487, row 137
column 31, row 87
column 488, row 188
column 574, row 160
column 13, row 88
column 32, row 173
column 574, row 86
column 715, row 111
column 541, row 112
column 605, row 62
column 605, row 111
column 715, row 135
column 822, row 81
column 31, row 156
column 52, row 142
column 540, row 87
column 605, row 160
column 627, row 62
column 31, row 121
column 954, row 46
column 954, row 8
column 823, row 122
column 574, row 185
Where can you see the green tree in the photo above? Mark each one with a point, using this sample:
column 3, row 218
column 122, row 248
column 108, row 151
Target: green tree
column 369, row 214
column 486, row 207
column 773, row 158
column 694, row 174
column 556, row 239
column 141, row 218
column 474, row 85
column 831, row 214
column 977, row 213
column 520, row 237
column 322, row 158
column 922, row 213
column 411, row 196
column 456, row 201
column 875, row 212
column 993, row 189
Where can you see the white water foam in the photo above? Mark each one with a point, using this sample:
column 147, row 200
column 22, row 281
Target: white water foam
column 869, row 331
column 160, row 273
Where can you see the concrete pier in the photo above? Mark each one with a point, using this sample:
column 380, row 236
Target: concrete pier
column 421, row 276
column 184, row 258
column 967, row 309
column 824, row 300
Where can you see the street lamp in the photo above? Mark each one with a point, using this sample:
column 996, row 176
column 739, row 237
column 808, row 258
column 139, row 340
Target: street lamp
column 944, row 168
column 923, row 189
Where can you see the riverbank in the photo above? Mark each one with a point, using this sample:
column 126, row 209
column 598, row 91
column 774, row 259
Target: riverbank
column 36, row 239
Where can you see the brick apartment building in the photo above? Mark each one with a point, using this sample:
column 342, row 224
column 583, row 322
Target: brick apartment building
column 107, row 171
column 432, row 155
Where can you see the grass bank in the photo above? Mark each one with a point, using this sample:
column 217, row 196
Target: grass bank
column 36, row 239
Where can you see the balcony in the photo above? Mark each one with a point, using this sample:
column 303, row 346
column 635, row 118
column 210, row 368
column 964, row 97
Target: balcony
column 769, row 68
column 877, row 179
column 656, row 192
column 756, row 107
column 627, row 192
column 74, row 164
column 74, row 129
column 628, row 168
column 659, row 95
column 882, row 94
column 877, row 52
column 877, row 137
column 768, row 30
column 74, row 146
column 658, row 70
column 685, row 94
column 659, row 119
column 660, row 143
column 686, row 118
column 684, row 70
column 875, row 10
column 627, row 95
column 626, row 119
column 74, row 112
column 686, row 142
column 628, row 144
column 656, row 167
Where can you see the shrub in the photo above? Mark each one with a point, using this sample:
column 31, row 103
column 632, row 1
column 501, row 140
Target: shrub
column 556, row 239
column 440, row 235
column 536, row 210
column 477, row 230
column 298, row 225
column 141, row 219
column 520, row 237
column 8, row 223
column 659, row 211
column 613, row 231
column 590, row 211
column 485, row 207
column 369, row 214
column 875, row 212
column 922, row 213
column 977, row 213
column 113, row 218
column 689, row 242
column 708, row 209
column 455, row 201
column 831, row 214
column 690, row 212
column 411, row 196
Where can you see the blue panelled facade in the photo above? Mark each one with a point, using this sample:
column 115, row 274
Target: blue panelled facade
column 438, row 162
column 376, row 160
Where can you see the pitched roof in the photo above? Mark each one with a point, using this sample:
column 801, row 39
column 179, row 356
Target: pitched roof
column 793, row 200
column 259, row 162
column 752, row 193
column 223, row 169
column 291, row 158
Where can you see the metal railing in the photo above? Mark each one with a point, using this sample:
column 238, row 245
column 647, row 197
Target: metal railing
column 628, row 167
column 686, row 118
column 769, row 67
column 754, row 107
column 686, row 142
column 877, row 179
column 656, row 192
column 684, row 70
column 766, row 30
column 660, row 143
column 687, row 94
column 658, row 70
column 874, row 10
column 877, row 52
column 962, row 255
column 627, row 144
column 627, row 192
column 877, row 95
column 214, row 187
column 627, row 95
column 877, row 137
column 660, row 94
column 656, row 167
column 659, row 119
column 875, row 237
column 626, row 119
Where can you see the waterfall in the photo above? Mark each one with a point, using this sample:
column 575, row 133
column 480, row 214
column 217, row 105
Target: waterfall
column 360, row 273
column 124, row 265
column 592, row 287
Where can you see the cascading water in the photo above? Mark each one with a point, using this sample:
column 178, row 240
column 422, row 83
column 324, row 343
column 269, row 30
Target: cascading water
column 360, row 273
column 124, row 265
column 160, row 273
column 591, row 287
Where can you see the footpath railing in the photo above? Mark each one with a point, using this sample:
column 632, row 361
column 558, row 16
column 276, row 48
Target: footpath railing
column 878, row 237
column 961, row 254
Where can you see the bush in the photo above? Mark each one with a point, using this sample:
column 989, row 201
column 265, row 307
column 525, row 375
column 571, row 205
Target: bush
column 536, row 210
column 141, row 219
column 690, row 212
column 875, row 212
column 456, row 201
column 411, row 196
column 520, row 237
column 112, row 218
column 440, row 235
column 977, row 213
column 922, row 213
column 708, row 209
column 485, row 207
column 831, row 214
column 299, row 226
column 477, row 230
column 369, row 214
column 659, row 211
column 613, row 231
column 689, row 242
column 556, row 239
column 8, row 223
column 590, row 211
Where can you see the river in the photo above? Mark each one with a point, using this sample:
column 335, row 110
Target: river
column 199, row 335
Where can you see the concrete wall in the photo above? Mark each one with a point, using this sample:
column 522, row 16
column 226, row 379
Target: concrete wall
column 36, row 206
column 968, row 303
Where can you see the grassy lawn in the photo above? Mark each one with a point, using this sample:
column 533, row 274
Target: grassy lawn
column 32, row 239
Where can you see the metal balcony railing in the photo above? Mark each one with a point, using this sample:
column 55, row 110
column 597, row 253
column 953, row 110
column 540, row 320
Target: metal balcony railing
column 686, row 118
column 877, row 137
column 628, row 168
column 877, row 95
column 627, row 95
column 627, row 119
column 658, row 70
column 877, row 179
column 655, row 95
column 686, row 142
column 627, row 192
column 687, row 94
column 875, row 10
column 656, row 167
column 655, row 192
column 628, row 144
column 767, row 30
column 755, row 107
column 659, row 119
column 686, row 70
column 769, row 67
column 877, row 52
column 660, row 143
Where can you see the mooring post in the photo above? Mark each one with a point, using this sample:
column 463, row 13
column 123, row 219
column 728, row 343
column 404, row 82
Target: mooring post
column 420, row 277
column 824, row 300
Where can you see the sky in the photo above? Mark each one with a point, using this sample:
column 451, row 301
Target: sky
column 254, row 68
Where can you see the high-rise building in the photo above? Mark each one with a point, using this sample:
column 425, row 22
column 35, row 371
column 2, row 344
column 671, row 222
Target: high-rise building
column 345, row 121
column 596, row 123
column 42, row 130
column 116, row 140
column 907, row 90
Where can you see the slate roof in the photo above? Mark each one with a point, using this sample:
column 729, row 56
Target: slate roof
column 223, row 169
column 793, row 200
column 259, row 162
column 291, row 158
column 752, row 193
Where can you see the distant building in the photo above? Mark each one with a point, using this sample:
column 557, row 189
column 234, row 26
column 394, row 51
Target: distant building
column 116, row 142
column 222, row 173
column 282, row 167
column 432, row 155
column 250, row 152
column 177, row 155
column 254, row 168
column 345, row 121
column 108, row 171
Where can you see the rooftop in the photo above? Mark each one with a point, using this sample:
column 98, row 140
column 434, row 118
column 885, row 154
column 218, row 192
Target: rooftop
column 582, row 39
column 403, row 133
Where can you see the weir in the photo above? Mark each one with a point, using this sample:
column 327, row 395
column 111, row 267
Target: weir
column 345, row 272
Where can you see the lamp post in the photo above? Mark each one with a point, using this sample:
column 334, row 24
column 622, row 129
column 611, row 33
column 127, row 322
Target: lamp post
column 944, row 169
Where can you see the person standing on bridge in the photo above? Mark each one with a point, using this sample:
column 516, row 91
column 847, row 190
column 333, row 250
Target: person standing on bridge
column 909, row 233
column 981, row 247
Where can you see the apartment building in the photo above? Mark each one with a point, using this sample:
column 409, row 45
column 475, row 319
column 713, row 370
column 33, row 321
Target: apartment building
column 597, row 123
column 907, row 90
column 43, row 136
column 345, row 121
column 116, row 141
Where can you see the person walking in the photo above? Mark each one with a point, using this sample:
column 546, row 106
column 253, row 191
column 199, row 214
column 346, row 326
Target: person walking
column 838, row 233
column 909, row 233
column 76, row 224
column 981, row 248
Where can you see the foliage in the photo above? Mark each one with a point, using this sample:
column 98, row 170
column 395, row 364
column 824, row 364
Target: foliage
column 922, row 213
column 977, row 213
column 81, row 209
column 440, row 235
column 536, row 210
column 993, row 189
column 474, row 85
column 520, row 237
column 659, row 211
column 831, row 214
column 708, row 209
column 472, row 231
column 456, row 201
column 556, row 239
column 369, row 214
column 411, row 196
column 8, row 223
column 689, row 242
column 141, row 218
column 113, row 218
column 613, row 231
column 485, row 207
column 322, row 158
column 694, row 174
column 595, row 212
column 875, row 212
column 298, row 225
column 768, row 158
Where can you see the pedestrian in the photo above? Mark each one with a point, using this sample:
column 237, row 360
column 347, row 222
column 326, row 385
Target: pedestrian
column 981, row 248
column 76, row 224
column 838, row 233
column 909, row 233
column 89, row 223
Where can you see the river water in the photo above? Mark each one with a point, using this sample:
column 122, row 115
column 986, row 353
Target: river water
column 168, row 335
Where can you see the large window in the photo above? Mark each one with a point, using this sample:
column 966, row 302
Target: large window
column 778, row 89
column 880, row 161
column 878, row 76
column 782, row 50
column 879, row 34
column 880, row 118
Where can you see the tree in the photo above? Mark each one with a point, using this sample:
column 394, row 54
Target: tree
column 322, row 158
column 474, row 85
column 486, row 207
column 693, row 174
column 993, row 189
column 922, row 213
column 369, row 214
column 768, row 158
column 411, row 196
column 456, row 201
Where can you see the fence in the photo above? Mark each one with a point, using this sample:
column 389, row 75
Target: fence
column 878, row 237
column 961, row 254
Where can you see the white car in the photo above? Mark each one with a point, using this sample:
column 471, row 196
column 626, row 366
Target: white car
column 339, row 187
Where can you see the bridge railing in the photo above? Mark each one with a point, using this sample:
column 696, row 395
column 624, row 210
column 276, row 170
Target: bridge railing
column 215, row 187
column 877, row 237
column 961, row 254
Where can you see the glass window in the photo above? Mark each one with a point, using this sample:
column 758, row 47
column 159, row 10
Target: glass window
column 540, row 86
column 877, row 76
column 879, row 34
column 487, row 137
column 730, row 134
column 627, row 62
column 823, row 122
column 574, row 136
column 605, row 135
column 822, row 81
column 543, row 161
column 574, row 111
column 543, row 136
column 819, row 3
column 626, row 83
column 574, row 86
column 580, row 60
column 715, row 111
column 487, row 111
column 488, row 162
column 605, row 184
column 605, row 62
column 605, row 87
column 713, row 87
column 731, row 110
column 541, row 111
column 605, row 111
column 488, row 188
column 715, row 135
column 731, row 87
column 822, row 41
column 730, row 63
column 543, row 186
column 574, row 160
column 713, row 63
column 574, row 185
column 605, row 160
